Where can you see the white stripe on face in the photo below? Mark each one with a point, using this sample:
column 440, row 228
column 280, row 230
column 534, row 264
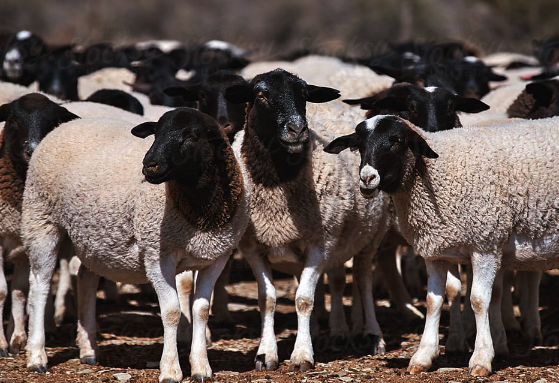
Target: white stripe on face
column 369, row 177
column 431, row 89
column 471, row 59
column 372, row 122
column 22, row 35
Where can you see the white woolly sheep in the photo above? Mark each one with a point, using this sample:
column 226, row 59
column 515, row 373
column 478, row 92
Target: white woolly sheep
column 189, row 215
column 487, row 198
column 306, row 214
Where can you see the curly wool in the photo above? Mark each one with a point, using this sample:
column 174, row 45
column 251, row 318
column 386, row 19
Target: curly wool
column 11, row 192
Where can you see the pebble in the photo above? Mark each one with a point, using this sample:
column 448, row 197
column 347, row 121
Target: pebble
column 152, row 364
column 541, row 381
column 346, row 379
column 367, row 369
column 448, row 369
column 122, row 377
column 313, row 373
column 87, row 371
column 260, row 381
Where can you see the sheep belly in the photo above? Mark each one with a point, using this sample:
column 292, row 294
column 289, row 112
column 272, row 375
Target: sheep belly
column 526, row 253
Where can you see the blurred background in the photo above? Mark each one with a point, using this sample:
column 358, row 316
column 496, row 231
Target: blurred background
column 273, row 28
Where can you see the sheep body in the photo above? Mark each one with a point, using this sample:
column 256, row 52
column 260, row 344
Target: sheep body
column 88, row 109
column 106, row 78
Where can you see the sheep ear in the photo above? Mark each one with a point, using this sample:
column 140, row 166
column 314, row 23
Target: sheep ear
column 144, row 130
column 497, row 77
column 395, row 104
column 469, row 105
column 395, row 73
column 541, row 92
column 239, row 94
column 187, row 94
column 419, row 146
column 350, row 141
column 365, row 103
column 319, row 94
column 4, row 112
column 64, row 115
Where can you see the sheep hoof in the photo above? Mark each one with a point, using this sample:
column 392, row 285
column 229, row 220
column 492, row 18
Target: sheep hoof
column 196, row 378
column 271, row 366
column 90, row 360
column 3, row 352
column 37, row 368
column 176, row 381
column 414, row 370
column 479, row 371
column 305, row 366
column 338, row 343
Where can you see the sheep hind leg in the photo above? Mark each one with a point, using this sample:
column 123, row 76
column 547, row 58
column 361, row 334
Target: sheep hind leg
column 220, row 311
column 498, row 332
column 20, row 289
column 428, row 349
column 339, row 330
column 3, row 296
column 531, row 322
column 484, row 270
column 86, row 337
column 507, row 308
column 456, row 343
column 205, row 282
column 267, row 354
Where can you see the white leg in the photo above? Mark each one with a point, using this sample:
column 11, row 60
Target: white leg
column 205, row 282
column 484, row 269
column 338, row 323
column 302, row 355
column 160, row 271
column 362, row 267
column 87, row 293
column 267, row 354
column 20, row 289
column 498, row 333
column 185, row 286
column 468, row 317
column 43, row 251
column 530, row 303
column 507, row 308
column 3, row 296
column 456, row 342
column 221, row 297
column 387, row 263
column 429, row 346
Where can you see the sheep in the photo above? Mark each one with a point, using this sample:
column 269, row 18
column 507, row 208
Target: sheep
column 20, row 56
column 111, row 78
column 484, row 196
column 88, row 109
column 28, row 120
column 538, row 100
column 305, row 214
column 190, row 214
column 431, row 108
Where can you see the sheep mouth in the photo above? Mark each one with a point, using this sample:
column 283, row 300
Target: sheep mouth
column 156, row 178
column 367, row 192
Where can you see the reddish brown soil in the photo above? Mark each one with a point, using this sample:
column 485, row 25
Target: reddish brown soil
column 130, row 337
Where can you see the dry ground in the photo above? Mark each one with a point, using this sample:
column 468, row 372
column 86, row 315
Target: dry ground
column 131, row 341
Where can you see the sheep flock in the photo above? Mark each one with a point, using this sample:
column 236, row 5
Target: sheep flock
column 173, row 212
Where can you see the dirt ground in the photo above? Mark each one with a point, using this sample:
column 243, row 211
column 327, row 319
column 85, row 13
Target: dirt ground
column 131, row 341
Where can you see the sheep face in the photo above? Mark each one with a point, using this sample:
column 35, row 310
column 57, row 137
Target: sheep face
column 210, row 95
column 58, row 75
column 385, row 143
column 28, row 120
column 21, row 54
column 277, row 108
column 186, row 144
column 432, row 109
column 471, row 77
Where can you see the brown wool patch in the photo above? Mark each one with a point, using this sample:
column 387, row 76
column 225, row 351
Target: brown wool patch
column 11, row 185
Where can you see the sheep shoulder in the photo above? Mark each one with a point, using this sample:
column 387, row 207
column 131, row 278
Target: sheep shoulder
column 11, row 192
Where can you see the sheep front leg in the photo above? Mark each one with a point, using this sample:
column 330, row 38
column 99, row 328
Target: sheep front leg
column 87, row 332
column 205, row 281
column 302, row 355
column 484, row 269
column 3, row 296
column 362, row 271
column 267, row 354
column 160, row 271
column 429, row 345
column 456, row 343
column 20, row 289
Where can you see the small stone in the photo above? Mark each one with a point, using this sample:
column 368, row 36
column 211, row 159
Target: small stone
column 87, row 371
column 448, row 369
column 260, row 381
column 367, row 369
column 267, row 377
column 541, row 381
column 122, row 377
column 346, row 379
column 152, row 365
column 314, row 373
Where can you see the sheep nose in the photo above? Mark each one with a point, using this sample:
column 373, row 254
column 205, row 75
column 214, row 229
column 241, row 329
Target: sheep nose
column 370, row 179
column 151, row 167
column 223, row 121
column 297, row 129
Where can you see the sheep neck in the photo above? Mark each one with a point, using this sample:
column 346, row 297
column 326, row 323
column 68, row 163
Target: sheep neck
column 11, row 184
column 268, row 163
column 214, row 200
